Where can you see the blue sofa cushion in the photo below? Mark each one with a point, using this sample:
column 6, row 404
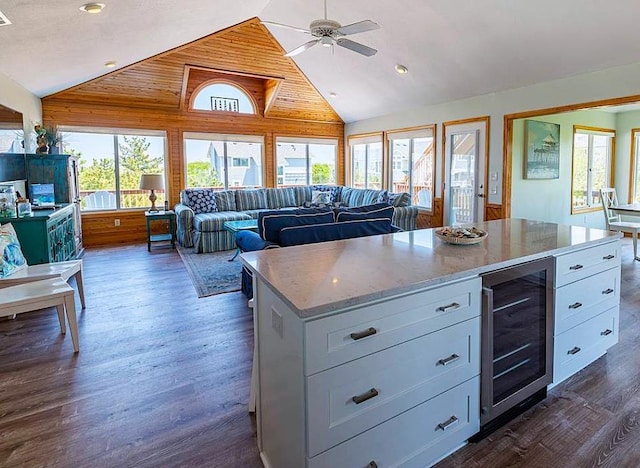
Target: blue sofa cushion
column 296, row 235
column 377, row 211
column 271, row 222
column 247, row 200
column 200, row 200
column 281, row 198
column 211, row 222
column 225, row 200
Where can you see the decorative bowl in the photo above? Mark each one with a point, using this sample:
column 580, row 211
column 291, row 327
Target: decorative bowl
column 461, row 236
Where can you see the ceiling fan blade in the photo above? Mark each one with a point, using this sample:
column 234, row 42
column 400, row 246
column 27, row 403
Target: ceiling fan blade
column 302, row 48
column 356, row 47
column 355, row 28
column 286, row 26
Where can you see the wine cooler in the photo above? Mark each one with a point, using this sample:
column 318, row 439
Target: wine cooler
column 517, row 341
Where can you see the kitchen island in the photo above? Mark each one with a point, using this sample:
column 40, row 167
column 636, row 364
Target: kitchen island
column 356, row 339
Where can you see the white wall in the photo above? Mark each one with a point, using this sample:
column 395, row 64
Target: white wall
column 16, row 97
column 606, row 84
column 626, row 121
column 550, row 199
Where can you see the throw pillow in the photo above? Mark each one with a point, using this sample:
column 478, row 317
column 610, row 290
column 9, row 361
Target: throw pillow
column 201, row 200
column 377, row 211
column 399, row 199
column 11, row 258
column 319, row 196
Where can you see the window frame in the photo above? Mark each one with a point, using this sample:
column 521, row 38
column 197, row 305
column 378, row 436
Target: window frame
column 227, row 160
column 366, row 139
column 310, row 140
column 591, row 132
column 115, row 133
column 412, row 133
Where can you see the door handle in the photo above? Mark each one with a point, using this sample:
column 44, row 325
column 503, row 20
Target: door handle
column 480, row 195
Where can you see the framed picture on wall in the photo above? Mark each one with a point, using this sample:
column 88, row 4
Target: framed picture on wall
column 541, row 150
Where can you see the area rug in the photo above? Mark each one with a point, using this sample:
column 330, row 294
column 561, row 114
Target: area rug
column 212, row 273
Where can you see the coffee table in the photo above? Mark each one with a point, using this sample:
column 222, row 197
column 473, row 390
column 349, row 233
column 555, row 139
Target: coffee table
column 241, row 225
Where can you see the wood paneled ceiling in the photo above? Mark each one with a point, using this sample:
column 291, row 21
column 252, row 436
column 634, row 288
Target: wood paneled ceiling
column 247, row 48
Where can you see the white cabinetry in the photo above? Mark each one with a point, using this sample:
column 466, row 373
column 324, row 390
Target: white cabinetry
column 335, row 390
column 587, row 299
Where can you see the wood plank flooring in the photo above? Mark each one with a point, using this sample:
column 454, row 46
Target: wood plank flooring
column 162, row 380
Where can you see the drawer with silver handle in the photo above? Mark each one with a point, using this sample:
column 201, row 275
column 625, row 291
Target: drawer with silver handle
column 583, row 263
column 579, row 346
column 420, row 436
column 351, row 398
column 578, row 302
column 334, row 340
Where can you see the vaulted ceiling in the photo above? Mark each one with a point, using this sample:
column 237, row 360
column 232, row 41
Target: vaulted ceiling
column 453, row 49
column 245, row 54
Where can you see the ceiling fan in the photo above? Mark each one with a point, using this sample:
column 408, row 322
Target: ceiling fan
column 329, row 33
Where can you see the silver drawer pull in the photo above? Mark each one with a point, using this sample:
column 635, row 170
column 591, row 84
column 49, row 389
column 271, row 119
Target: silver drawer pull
column 453, row 305
column 575, row 350
column 576, row 267
column 606, row 332
column 448, row 423
column 449, row 360
column 372, row 464
column 363, row 334
column 365, row 396
column 576, row 305
column 607, row 291
column 608, row 257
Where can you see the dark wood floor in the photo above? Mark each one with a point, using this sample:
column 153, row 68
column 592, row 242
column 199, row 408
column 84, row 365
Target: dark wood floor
column 162, row 380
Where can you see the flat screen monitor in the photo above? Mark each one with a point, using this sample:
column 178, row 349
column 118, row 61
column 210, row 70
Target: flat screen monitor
column 42, row 194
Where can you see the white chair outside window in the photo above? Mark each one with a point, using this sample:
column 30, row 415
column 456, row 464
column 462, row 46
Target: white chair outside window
column 613, row 221
column 100, row 200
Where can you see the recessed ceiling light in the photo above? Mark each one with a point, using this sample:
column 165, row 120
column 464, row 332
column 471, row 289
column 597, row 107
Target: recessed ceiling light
column 92, row 8
column 110, row 64
column 333, row 95
column 401, row 69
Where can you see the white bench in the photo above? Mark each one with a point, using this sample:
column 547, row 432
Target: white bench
column 62, row 270
column 37, row 295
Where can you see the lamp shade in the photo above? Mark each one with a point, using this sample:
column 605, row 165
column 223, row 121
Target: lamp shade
column 151, row 182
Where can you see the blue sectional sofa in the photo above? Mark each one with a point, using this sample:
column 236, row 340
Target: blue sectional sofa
column 202, row 212
column 279, row 228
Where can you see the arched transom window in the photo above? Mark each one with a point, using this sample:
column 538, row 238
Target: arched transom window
column 223, row 97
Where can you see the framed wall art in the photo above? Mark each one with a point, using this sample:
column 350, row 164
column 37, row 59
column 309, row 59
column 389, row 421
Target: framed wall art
column 541, row 150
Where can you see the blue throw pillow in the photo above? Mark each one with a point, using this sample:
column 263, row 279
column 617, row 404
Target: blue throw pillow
column 377, row 211
column 271, row 222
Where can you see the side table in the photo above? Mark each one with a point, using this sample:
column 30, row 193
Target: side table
column 169, row 216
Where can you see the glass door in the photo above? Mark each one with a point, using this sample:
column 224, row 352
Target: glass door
column 465, row 160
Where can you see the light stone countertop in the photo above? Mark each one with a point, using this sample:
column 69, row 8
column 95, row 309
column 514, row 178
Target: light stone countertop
column 316, row 279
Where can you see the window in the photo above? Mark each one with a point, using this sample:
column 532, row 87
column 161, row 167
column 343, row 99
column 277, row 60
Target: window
column 366, row 161
column 305, row 161
column 223, row 97
column 11, row 140
column 412, row 157
column 223, row 161
column 111, row 163
column 592, row 166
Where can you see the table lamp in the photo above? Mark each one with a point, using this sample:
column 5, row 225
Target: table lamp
column 152, row 182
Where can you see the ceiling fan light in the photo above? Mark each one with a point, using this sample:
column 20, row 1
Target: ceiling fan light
column 326, row 41
column 92, row 8
column 402, row 69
